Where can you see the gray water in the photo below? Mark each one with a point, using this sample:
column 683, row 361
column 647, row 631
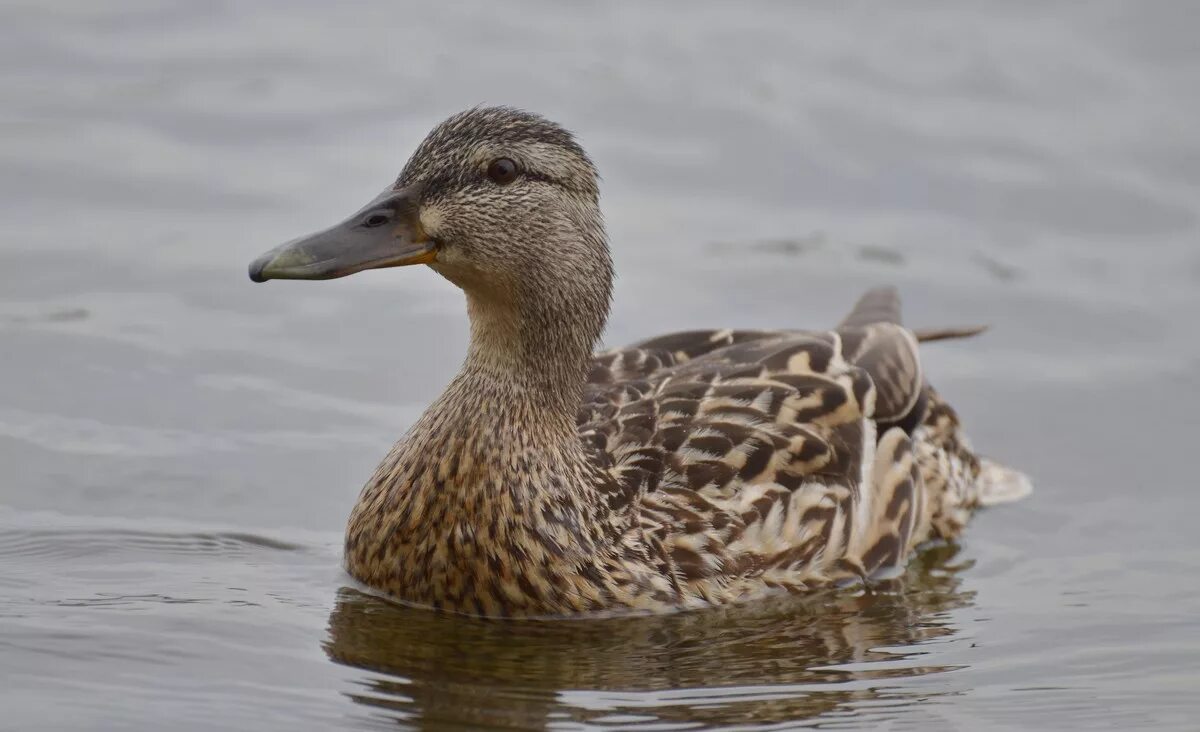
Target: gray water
column 179, row 448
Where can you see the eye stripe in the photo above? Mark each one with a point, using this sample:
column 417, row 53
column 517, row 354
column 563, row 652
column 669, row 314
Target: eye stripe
column 466, row 180
column 542, row 178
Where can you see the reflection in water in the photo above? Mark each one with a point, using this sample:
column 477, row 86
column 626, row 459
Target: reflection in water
column 759, row 664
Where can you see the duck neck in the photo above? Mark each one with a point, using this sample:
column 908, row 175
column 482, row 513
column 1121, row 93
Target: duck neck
column 514, row 403
column 531, row 356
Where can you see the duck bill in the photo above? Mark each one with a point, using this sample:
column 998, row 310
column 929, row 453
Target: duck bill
column 385, row 233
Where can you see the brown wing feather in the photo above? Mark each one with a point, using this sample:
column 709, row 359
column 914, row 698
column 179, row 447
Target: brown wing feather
column 747, row 456
column 780, row 459
column 889, row 354
column 873, row 339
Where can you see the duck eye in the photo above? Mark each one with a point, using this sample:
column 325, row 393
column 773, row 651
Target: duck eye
column 502, row 171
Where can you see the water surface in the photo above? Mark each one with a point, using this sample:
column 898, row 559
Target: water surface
column 180, row 447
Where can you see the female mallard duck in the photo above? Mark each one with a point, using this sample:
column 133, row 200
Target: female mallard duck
column 692, row 469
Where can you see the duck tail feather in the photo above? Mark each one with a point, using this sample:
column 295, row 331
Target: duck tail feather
column 925, row 335
column 877, row 305
column 998, row 484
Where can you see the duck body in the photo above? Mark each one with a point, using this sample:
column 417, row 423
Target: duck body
column 706, row 468
column 689, row 470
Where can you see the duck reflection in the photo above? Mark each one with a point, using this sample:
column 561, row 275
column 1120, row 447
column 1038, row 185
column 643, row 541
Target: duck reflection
column 765, row 663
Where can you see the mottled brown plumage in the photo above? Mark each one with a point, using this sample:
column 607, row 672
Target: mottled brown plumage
column 692, row 469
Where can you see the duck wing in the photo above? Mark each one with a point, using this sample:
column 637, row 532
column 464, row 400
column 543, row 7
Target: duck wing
column 786, row 456
column 741, row 460
column 871, row 338
column 874, row 339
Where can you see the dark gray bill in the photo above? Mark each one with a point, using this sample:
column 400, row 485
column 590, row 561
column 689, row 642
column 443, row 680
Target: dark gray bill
column 385, row 233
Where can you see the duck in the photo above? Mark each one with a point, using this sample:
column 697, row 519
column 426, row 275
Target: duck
column 689, row 470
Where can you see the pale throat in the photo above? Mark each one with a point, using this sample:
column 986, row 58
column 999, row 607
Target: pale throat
column 533, row 342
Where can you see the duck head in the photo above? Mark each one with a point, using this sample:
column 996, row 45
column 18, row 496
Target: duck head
column 501, row 202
